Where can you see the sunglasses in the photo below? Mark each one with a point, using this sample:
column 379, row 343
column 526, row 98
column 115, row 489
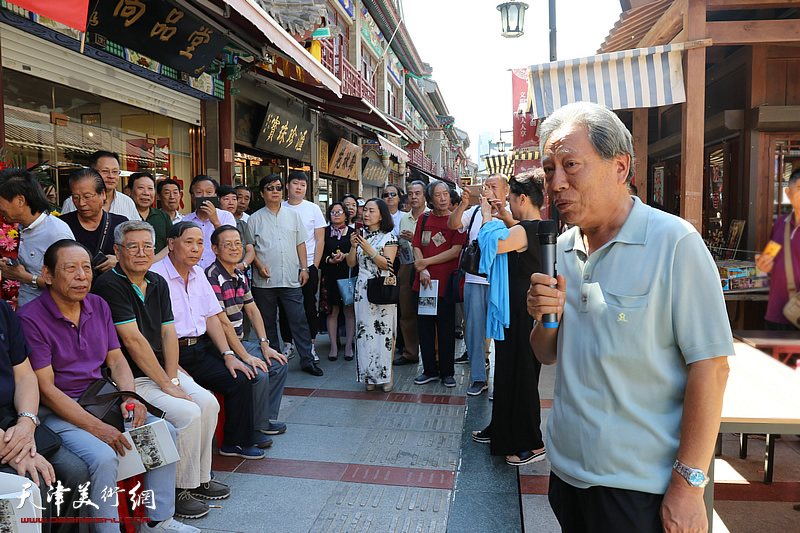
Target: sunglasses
column 274, row 188
column 337, row 212
column 389, row 194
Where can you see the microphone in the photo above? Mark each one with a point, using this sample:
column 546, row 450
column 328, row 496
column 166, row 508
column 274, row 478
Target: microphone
column 547, row 232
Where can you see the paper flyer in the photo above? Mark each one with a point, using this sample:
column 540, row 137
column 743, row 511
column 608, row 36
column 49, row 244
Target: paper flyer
column 155, row 447
column 428, row 298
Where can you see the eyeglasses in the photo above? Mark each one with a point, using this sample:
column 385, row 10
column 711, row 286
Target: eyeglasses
column 85, row 198
column 107, row 172
column 389, row 194
column 274, row 188
column 231, row 245
column 134, row 248
column 337, row 212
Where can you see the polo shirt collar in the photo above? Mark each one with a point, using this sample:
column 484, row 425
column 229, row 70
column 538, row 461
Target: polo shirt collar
column 224, row 271
column 50, row 305
column 633, row 231
column 172, row 272
column 121, row 273
column 35, row 223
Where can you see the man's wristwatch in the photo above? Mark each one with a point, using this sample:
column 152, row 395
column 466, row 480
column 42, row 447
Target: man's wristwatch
column 263, row 339
column 303, row 270
column 32, row 416
column 34, row 280
column 693, row 476
column 228, row 352
column 176, row 382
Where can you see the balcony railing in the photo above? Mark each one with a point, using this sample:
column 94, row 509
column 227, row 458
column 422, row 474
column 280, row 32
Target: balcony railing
column 353, row 83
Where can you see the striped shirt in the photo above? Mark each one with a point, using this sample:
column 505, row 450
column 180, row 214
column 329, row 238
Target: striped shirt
column 232, row 291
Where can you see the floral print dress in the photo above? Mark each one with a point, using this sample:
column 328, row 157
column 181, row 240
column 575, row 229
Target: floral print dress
column 375, row 324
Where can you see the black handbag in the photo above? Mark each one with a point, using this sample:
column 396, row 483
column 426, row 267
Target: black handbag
column 47, row 441
column 471, row 255
column 383, row 290
column 103, row 400
column 454, row 292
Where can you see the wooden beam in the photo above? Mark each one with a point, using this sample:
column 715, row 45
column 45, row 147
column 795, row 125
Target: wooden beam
column 667, row 26
column 736, row 32
column 719, row 5
column 693, row 117
column 756, row 154
column 640, row 151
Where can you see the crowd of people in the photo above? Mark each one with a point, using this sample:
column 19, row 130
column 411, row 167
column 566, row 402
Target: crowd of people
column 188, row 309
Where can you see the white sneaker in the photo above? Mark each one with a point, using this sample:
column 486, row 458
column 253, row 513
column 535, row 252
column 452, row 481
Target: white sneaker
column 314, row 353
column 287, row 351
column 169, row 525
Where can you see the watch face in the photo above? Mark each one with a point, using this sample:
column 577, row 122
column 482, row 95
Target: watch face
column 696, row 478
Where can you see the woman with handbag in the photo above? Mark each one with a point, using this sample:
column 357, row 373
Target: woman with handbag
column 338, row 280
column 515, row 428
column 375, row 323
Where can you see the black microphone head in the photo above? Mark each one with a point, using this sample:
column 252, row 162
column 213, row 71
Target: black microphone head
column 547, row 231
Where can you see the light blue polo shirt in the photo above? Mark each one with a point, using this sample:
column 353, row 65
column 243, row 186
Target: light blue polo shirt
column 638, row 310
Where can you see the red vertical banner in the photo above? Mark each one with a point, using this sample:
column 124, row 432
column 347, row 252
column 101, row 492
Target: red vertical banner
column 526, row 128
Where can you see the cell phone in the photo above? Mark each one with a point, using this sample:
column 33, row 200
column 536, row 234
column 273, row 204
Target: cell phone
column 12, row 262
column 99, row 259
column 213, row 199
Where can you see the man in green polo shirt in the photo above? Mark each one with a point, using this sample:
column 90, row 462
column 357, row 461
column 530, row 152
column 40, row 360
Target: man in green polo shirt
column 641, row 344
column 143, row 192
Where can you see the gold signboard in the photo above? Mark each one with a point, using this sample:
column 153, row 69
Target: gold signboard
column 323, row 156
column 343, row 162
column 374, row 174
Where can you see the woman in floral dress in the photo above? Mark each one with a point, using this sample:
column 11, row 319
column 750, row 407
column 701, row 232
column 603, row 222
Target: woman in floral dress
column 375, row 324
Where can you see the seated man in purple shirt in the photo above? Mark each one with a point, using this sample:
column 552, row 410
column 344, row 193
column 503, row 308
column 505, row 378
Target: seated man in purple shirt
column 71, row 335
column 204, row 352
column 233, row 292
column 206, row 215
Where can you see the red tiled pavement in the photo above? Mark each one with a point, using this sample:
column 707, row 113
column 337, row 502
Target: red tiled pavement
column 438, row 399
column 533, row 484
column 329, row 471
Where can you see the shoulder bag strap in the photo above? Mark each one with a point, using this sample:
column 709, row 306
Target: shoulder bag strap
column 787, row 257
column 474, row 213
column 106, row 216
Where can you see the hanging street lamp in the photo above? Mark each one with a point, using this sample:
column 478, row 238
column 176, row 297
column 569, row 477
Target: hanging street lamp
column 512, row 18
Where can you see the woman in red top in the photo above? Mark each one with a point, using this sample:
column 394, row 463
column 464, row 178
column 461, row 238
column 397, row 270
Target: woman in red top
column 437, row 249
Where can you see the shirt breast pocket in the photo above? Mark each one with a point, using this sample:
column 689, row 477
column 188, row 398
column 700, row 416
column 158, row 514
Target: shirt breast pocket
column 626, row 309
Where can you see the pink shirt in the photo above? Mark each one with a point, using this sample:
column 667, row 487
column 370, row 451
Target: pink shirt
column 191, row 304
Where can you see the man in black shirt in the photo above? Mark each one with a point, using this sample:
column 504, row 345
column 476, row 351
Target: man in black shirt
column 92, row 227
column 142, row 312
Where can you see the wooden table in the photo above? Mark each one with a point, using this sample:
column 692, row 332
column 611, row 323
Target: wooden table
column 762, row 396
column 779, row 342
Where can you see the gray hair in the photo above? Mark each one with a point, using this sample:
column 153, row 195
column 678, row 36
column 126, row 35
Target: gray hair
column 132, row 225
column 503, row 178
column 607, row 133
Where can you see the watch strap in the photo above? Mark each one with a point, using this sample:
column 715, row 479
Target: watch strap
column 32, row 416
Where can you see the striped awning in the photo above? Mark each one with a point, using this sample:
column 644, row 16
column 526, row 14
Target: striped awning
column 642, row 77
column 504, row 163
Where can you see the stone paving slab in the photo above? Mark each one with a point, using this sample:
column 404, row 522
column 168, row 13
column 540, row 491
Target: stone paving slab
column 421, row 417
column 413, row 449
column 361, row 508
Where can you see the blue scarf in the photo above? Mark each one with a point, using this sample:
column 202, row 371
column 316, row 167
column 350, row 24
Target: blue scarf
column 498, row 314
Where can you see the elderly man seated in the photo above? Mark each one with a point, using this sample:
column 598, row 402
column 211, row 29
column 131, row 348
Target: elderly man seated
column 233, row 291
column 19, row 406
column 71, row 335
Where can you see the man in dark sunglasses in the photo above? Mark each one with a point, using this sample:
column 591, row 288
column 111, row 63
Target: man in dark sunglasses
column 281, row 268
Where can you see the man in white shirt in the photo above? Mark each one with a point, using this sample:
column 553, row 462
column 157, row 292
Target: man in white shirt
column 243, row 196
column 314, row 222
column 476, row 288
column 107, row 164
column 206, row 215
column 23, row 201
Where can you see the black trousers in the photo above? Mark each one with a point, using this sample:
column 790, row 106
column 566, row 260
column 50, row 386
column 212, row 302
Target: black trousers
column 309, row 304
column 205, row 364
column 443, row 325
column 604, row 509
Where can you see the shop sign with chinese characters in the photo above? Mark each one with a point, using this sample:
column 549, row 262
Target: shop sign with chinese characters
column 285, row 134
column 344, row 160
column 374, row 174
column 160, row 30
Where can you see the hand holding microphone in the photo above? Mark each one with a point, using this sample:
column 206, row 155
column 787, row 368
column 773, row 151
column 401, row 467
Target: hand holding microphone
column 546, row 293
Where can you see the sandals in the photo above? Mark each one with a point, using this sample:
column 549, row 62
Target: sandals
column 387, row 387
column 523, row 458
column 482, row 437
column 369, row 386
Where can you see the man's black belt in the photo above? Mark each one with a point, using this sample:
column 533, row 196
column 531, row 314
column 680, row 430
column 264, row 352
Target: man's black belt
column 188, row 341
